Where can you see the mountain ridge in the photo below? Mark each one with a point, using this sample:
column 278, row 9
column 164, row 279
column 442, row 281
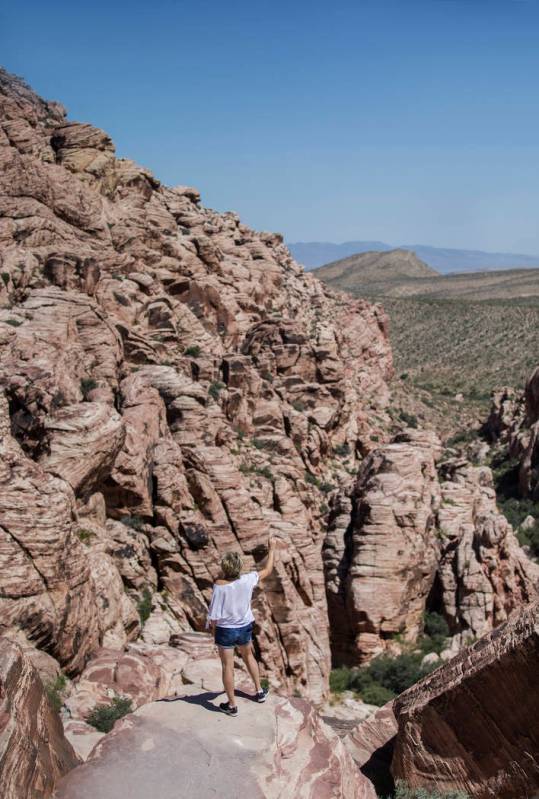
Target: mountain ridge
column 313, row 254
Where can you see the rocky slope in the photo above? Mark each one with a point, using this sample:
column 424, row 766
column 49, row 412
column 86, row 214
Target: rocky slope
column 174, row 386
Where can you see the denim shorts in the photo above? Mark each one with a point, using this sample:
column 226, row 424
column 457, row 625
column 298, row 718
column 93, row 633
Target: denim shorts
column 229, row 637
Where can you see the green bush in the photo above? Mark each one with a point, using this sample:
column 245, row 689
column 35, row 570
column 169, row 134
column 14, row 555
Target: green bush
column 193, row 352
column 54, row 691
column 436, row 633
column 382, row 679
column 135, row 522
column 408, row 418
column 376, row 694
column 13, row 322
column 215, row 389
column 144, row 605
column 87, row 384
column 103, row 717
column 5, row 277
column 342, row 449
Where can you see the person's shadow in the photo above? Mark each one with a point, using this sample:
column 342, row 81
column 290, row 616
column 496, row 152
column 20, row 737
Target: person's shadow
column 205, row 699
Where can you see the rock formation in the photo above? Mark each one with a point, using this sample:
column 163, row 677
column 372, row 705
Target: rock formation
column 277, row 750
column 34, row 753
column 420, row 538
column 175, row 386
column 473, row 724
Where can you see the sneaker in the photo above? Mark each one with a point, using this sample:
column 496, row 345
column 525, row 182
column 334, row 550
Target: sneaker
column 226, row 708
column 260, row 696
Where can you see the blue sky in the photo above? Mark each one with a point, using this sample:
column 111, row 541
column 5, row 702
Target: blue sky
column 399, row 120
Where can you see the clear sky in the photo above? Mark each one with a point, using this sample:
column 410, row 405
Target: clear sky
column 409, row 121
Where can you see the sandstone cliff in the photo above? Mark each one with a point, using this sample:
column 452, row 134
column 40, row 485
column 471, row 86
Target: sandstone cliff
column 174, row 386
column 419, row 534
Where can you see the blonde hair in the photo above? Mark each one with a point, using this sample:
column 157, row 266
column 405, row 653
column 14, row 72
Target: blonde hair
column 231, row 564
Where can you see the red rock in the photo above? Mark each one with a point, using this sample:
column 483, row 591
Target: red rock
column 473, row 724
column 34, row 753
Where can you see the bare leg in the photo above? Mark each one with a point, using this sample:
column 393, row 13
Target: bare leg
column 250, row 661
column 227, row 662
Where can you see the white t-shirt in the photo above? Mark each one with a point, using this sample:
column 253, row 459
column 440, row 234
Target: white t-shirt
column 230, row 604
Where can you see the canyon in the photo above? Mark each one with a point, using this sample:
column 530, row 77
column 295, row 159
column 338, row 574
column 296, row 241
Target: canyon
column 174, row 385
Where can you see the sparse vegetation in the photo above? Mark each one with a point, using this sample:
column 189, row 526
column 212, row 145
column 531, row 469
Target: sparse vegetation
column 103, row 717
column 387, row 676
column 135, row 522
column 193, row 352
column 514, row 508
column 215, row 389
column 13, row 322
column 54, row 691
column 85, row 535
column 5, row 278
column 298, row 406
column 144, row 605
column 87, row 384
column 342, row 449
column 409, row 419
column 265, row 443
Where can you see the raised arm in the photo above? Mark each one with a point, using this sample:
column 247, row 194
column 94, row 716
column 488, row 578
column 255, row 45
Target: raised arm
column 268, row 568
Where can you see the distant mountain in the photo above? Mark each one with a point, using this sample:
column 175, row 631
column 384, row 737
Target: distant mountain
column 317, row 253
column 368, row 269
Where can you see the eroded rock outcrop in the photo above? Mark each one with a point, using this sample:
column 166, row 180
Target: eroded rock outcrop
column 34, row 752
column 473, row 724
column 421, row 537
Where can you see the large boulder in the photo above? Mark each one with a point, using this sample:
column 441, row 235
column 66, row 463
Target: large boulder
column 473, row 724
column 34, row 752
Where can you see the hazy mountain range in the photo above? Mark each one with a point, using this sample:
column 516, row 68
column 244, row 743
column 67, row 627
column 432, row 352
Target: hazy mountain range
column 317, row 253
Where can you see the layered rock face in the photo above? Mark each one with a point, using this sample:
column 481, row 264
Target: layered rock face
column 34, row 753
column 420, row 538
column 175, row 386
column 473, row 724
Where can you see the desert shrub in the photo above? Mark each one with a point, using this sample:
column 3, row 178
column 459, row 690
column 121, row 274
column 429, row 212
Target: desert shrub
column 404, row 791
column 326, row 488
column 85, row 535
column 54, row 691
column 311, row 478
column 340, row 679
column 436, row 633
column 13, row 322
column 103, row 717
column 408, row 418
column 397, row 673
column 5, row 278
column 382, row 679
column 342, row 449
column 375, row 694
column 298, row 406
column 215, row 389
column 87, row 384
column 267, row 444
column 193, row 352
column 135, row 522
column 144, row 605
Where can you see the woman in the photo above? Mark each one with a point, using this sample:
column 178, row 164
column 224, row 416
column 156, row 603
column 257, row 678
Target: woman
column 231, row 620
